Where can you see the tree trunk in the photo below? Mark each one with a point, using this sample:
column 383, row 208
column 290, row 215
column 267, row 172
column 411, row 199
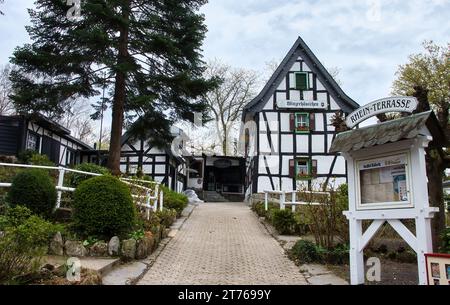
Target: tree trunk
column 435, row 193
column 435, row 168
column 119, row 95
column 225, row 141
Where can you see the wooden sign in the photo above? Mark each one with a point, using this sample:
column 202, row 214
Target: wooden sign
column 384, row 105
column 302, row 104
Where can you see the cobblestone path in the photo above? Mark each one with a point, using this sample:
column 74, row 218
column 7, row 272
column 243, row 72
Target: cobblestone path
column 223, row 243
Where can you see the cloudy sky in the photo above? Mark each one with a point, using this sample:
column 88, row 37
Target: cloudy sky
column 365, row 39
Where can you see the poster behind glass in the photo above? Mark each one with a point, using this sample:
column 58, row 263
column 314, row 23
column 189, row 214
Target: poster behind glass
column 383, row 180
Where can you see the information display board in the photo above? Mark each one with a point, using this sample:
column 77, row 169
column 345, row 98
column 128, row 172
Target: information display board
column 384, row 182
column 438, row 268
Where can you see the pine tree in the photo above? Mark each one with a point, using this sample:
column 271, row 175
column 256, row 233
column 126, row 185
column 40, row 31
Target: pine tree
column 149, row 50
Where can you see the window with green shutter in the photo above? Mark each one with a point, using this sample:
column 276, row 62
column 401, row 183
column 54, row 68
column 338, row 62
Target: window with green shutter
column 301, row 81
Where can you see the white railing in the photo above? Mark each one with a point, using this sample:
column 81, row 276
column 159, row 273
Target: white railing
column 293, row 203
column 149, row 201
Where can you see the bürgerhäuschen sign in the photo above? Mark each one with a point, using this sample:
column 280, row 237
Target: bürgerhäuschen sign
column 384, row 105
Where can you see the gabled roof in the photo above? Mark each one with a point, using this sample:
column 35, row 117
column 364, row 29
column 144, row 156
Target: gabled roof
column 390, row 131
column 300, row 49
column 51, row 125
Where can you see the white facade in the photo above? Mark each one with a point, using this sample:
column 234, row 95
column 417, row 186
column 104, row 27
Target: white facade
column 293, row 116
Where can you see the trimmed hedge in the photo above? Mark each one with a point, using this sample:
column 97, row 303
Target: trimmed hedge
column 33, row 189
column 174, row 200
column 76, row 178
column 283, row 221
column 103, row 207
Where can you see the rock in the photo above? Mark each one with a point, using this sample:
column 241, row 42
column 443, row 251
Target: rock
column 150, row 241
column 100, row 248
column 114, row 246
column 141, row 249
column 2, row 234
column 166, row 232
column 57, row 245
column 157, row 235
column 48, row 267
column 75, row 248
column 129, row 249
column 145, row 246
column 63, row 215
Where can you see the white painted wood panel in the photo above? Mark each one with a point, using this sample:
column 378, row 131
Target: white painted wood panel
column 287, row 144
column 302, row 143
column 318, row 144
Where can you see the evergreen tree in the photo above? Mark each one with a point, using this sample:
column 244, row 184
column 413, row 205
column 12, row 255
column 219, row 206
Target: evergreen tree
column 149, row 50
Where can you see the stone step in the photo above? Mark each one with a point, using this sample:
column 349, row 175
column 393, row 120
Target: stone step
column 212, row 196
column 124, row 274
column 102, row 265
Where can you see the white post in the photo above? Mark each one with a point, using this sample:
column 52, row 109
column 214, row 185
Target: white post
column 60, row 184
column 161, row 201
column 282, row 200
column 420, row 197
column 266, row 200
column 356, row 256
column 294, row 194
column 424, row 245
column 147, row 205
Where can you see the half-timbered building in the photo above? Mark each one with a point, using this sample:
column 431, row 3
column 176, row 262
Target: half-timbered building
column 137, row 155
column 42, row 135
column 292, row 126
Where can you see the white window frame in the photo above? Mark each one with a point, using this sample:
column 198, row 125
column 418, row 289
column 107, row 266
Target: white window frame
column 384, row 205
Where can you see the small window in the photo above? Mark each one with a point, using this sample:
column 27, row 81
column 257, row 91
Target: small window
column 303, row 168
column 32, row 142
column 301, row 122
column 301, row 81
column 70, row 157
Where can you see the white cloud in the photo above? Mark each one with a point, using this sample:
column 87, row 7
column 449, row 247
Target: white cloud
column 249, row 33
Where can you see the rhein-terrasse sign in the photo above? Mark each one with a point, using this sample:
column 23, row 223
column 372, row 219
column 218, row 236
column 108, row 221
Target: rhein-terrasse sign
column 302, row 104
column 384, row 105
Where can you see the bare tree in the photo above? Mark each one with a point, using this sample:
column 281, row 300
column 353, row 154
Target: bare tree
column 77, row 119
column 237, row 88
column 6, row 104
column 104, row 141
column 1, row 1
column 201, row 140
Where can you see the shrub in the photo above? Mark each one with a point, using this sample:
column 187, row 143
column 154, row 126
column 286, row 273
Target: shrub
column 307, row 252
column 34, row 189
column 327, row 220
column 148, row 224
column 25, row 156
column 338, row 255
column 38, row 159
column 76, row 178
column 259, row 209
column 34, row 158
column 167, row 217
column 25, row 241
column 174, row 200
column 283, row 221
column 103, row 207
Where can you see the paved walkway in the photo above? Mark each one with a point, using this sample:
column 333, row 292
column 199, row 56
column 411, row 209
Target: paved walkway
column 223, row 243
